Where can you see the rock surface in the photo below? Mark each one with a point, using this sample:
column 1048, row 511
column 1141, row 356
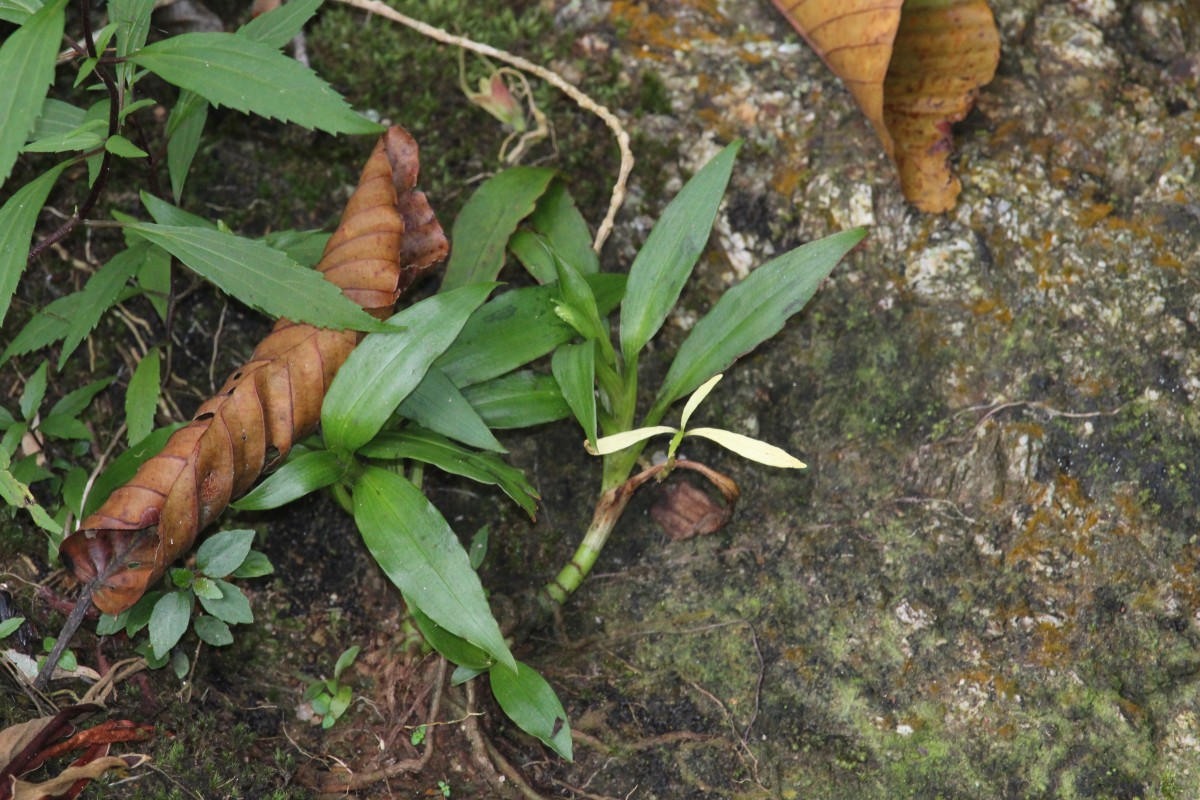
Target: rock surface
column 987, row 583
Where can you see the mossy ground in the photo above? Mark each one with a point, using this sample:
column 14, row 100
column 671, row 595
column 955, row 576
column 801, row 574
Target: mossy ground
column 985, row 585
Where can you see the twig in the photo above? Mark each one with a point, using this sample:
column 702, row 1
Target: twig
column 342, row 784
column 551, row 77
column 479, row 741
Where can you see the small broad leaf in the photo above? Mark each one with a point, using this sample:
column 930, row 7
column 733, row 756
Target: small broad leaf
column 385, row 367
column 437, row 404
column 255, row 566
column 518, row 400
column 259, row 276
column 530, row 702
column 534, row 254
column 18, row 217
column 141, row 398
column 486, row 222
column 516, row 328
column 184, row 127
column 752, row 312
column 212, row 631
column 301, row 475
column 120, row 146
column 345, row 660
column 169, row 621
column 179, row 664
column 236, row 71
column 280, row 25
column 665, row 261
column 164, row 213
column 338, row 705
column 60, row 426
column 9, row 626
column 223, row 552
column 132, row 21
column 233, row 607
column 57, row 118
column 478, row 549
column 585, row 317
column 447, row 456
column 747, row 447
column 455, row 648
column 419, row 553
column 125, row 465
column 138, row 617
column 84, row 137
column 100, row 293
column 575, row 370
column 204, row 587
column 463, row 674
column 27, row 63
column 107, row 625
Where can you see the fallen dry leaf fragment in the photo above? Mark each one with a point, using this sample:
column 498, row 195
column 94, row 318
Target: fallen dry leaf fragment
column 914, row 69
column 388, row 235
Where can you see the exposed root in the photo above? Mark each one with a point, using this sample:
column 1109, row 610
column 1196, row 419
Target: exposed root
column 549, row 76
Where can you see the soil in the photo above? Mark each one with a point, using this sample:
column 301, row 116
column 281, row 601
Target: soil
column 985, row 585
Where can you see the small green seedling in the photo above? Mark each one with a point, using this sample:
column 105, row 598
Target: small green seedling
column 9, row 626
column 329, row 698
column 167, row 614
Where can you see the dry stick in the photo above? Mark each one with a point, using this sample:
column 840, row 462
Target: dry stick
column 553, row 78
column 80, row 611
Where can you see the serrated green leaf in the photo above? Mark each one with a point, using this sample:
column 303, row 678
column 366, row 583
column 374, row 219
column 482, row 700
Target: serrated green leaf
column 212, row 631
column 752, row 312
column 169, row 621
column 74, row 402
column 181, row 577
column 238, row 72
column 141, row 398
column 223, row 552
column 530, row 702
column 27, row 63
column 100, row 292
column 46, row 327
column 164, row 213
column 60, row 426
column 566, row 232
column 300, row 476
column 185, row 125
column 233, row 607
column 385, row 367
column 86, row 136
column 125, row 465
column 154, row 279
column 280, row 25
column 260, row 276
column 132, row 21
column 455, row 648
column 518, row 400
column 18, row 217
column 516, row 328
column 34, row 391
column 574, row 367
column 418, row 551
column 306, row 247
column 663, row 265
column 432, row 448
column 438, row 405
column 18, row 12
column 120, row 146
column 488, row 219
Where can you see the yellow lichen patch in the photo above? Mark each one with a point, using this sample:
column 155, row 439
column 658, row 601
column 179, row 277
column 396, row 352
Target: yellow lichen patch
column 1089, row 216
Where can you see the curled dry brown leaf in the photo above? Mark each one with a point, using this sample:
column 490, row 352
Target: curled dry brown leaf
column 914, row 69
column 388, row 236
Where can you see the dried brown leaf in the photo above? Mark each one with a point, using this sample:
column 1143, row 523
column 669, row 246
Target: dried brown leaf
column 388, row 235
column 914, row 69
